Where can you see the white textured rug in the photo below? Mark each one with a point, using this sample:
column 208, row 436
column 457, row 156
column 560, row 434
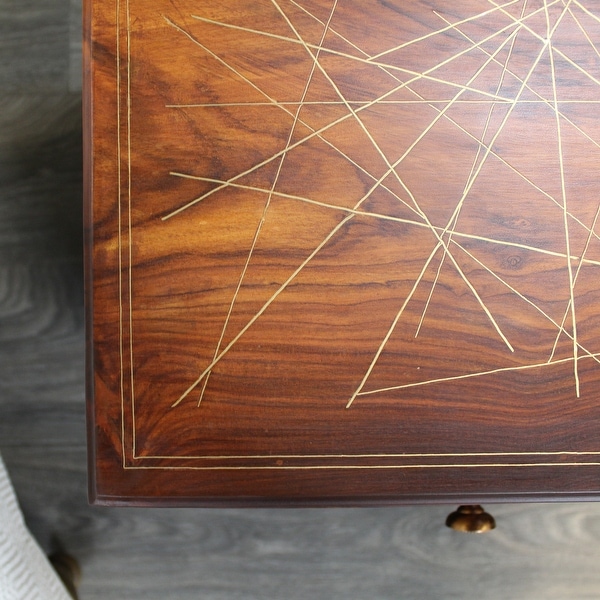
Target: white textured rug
column 25, row 573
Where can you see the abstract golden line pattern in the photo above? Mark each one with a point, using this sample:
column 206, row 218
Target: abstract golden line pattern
column 364, row 217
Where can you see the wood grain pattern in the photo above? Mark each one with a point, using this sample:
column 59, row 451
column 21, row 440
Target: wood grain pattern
column 34, row 44
column 336, row 267
column 536, row 552
column 75, row 45
column 545, row 552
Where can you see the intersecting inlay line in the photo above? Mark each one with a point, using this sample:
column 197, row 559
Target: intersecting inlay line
column 518, row 34
column 267, row 203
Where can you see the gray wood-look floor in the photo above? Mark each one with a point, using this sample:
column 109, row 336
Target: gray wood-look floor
column 538, row 552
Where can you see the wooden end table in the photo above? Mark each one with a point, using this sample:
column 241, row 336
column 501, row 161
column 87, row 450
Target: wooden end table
column 343, row 252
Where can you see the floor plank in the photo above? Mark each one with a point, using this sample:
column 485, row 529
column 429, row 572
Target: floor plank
column 75, row 45
column 537, row 552
column 34, row 39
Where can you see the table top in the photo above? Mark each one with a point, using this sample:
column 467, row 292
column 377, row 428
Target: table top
column 342, row 252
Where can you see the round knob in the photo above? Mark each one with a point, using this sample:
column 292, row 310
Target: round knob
column 471, row 519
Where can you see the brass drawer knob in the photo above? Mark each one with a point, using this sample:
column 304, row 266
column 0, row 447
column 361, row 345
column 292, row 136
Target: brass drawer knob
column 471, row 519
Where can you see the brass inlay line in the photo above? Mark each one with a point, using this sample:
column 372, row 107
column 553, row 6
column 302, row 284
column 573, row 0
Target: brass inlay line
column 405, row 455
column 361, row 102
column 585, row 10
column 130, row 226
column 384, row 217
column 444, row 237
column 472, row 375
column 352, row 467
column 119, row 228
column 564, row 198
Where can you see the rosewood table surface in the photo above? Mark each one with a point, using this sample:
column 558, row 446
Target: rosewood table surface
column 343, row 251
